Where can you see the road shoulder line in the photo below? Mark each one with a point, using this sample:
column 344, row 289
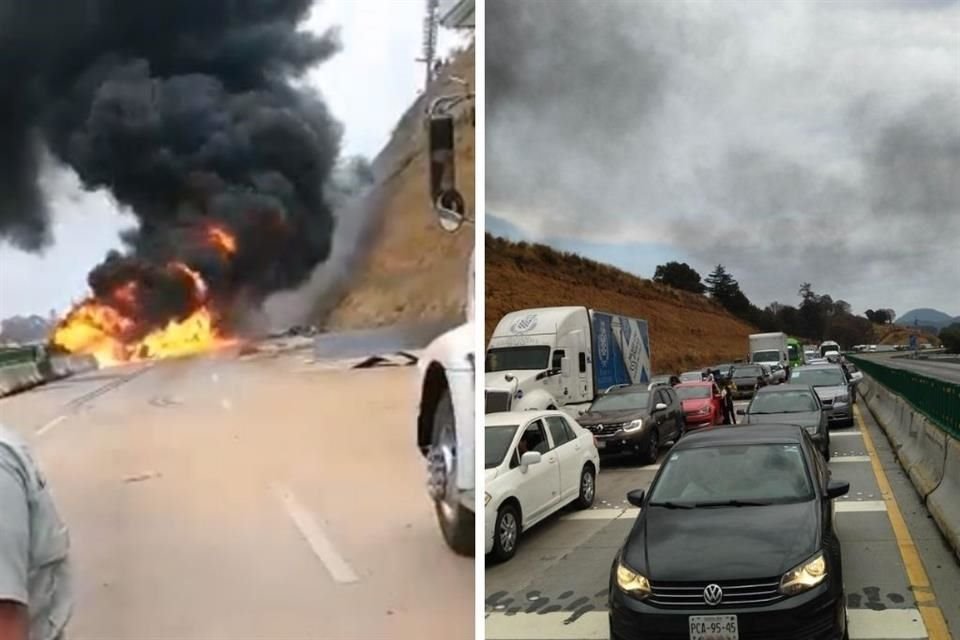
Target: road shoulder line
column 919, row 583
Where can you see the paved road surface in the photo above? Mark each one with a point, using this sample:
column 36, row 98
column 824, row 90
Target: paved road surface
column 556, row 586
column 949, row 371
column 265, row 497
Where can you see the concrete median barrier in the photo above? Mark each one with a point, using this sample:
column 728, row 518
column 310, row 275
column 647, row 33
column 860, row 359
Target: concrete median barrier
column 18, row 377
column 929, row 455
column 944, row 502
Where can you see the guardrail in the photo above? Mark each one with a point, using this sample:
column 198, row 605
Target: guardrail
column 938, row 400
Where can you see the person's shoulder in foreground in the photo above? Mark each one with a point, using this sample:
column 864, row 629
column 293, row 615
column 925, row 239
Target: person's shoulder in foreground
column 35, row 601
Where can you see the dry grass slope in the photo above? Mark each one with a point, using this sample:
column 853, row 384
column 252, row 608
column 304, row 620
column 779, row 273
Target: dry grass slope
column 687, row 331
column 414, row 271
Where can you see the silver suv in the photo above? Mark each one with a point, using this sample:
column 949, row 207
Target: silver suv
column 832, row 386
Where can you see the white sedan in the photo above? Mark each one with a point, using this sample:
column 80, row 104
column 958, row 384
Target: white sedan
column 537, row 462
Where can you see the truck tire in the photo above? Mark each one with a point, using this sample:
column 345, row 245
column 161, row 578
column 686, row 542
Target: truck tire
column 506, row 532
column 456, row 521
column 588, row 488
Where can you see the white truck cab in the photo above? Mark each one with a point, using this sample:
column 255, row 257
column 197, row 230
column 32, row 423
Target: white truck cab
column 562, row 358
column 445, row 429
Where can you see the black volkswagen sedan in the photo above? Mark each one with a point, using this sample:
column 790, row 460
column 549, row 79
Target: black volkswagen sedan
column 735, row 541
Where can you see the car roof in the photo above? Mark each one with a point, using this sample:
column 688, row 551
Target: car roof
column 785, row 387
column 508, row 418
column 752, row 434
column 821, row 365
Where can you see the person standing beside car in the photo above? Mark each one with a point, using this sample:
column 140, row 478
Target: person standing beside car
column 35, row 595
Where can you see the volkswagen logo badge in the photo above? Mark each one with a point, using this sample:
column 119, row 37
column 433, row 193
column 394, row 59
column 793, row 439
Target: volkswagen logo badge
column 712, row 594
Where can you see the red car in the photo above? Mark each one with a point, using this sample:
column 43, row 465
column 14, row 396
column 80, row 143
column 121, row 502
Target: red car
column 702, row 404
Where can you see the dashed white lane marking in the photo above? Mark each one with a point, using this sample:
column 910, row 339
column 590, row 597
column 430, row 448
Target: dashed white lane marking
column 50, row 425
column 602, row 514
column 834, row 434
column 311, row 530
column 850, row 459
column 842, row 506
column 865, row 624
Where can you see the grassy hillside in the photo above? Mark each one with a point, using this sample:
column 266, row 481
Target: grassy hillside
column 414, row 271
column 687, row 331
column 892, row 334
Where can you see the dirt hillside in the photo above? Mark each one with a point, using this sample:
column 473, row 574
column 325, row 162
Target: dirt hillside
column 415, row 271
column 687, row 331
column 892, row 334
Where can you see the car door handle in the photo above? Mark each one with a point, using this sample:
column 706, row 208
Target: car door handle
column 551, row 460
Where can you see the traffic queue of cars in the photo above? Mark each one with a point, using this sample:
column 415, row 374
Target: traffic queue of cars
column 768, row 476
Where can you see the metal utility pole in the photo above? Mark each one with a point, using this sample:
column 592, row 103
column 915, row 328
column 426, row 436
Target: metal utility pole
column 431, row 21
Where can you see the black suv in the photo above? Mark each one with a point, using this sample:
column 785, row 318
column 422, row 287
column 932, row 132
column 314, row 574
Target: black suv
column 635, row 418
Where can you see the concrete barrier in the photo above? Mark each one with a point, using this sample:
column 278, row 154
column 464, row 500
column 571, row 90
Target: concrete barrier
column 18, row 377
column 944, row 502
column 928, row 454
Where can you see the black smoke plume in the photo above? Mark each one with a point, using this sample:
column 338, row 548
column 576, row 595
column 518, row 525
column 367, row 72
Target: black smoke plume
column 187, row 111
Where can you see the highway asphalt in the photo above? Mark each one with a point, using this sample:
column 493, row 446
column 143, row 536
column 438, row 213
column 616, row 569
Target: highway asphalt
column 555, row 588
column 949, row 371
column 262, row 497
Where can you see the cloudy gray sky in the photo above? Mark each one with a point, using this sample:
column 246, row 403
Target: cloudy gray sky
column 790, row 141
column 367, row 86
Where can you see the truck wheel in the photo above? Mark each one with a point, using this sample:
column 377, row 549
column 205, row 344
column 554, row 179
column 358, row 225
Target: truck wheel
column 588, row 488
column 506, row 531
column 652, row 450
column 456, row 521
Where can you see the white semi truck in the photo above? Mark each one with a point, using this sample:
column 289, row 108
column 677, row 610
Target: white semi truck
column 445, row 429
column 563, row 358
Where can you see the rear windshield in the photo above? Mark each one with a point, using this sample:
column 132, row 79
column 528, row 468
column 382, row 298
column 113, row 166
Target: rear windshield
column 818, row 377
column 783, row 402
column 692, row 393
column 747, row 372
column 767, row 473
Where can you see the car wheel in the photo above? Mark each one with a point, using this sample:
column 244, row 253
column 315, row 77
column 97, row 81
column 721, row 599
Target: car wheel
column 456, row 521
column 588, row 488
column 652, row 450
column 505, row 533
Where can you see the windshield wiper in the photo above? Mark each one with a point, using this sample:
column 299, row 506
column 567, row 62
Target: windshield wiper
column 735, row 503
column 669, row 504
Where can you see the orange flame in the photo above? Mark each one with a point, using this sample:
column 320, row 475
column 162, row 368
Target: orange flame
column 223, row 239
column 100, row 330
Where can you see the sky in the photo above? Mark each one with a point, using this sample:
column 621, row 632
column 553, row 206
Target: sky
column 368, row 85
column 790, row 141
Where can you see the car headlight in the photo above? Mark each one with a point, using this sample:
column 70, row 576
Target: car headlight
column 633, row 425
column 631, row 582
column 486, row 499
column 804, row 576
column 844, row 399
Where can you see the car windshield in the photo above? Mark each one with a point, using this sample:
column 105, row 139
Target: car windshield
column 498, row 441
column 622, row 401
column 766, row 356
column 818, row 377
column 747, row 372
column 692, row 393
column 754, row 473
column 783, row 402
column 512, row 358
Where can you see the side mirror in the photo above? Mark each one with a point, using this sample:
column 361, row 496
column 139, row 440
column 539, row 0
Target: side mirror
column 660, row 407
column 529, row 458
column 448, row 204
column 837, row 488
column 635, row 497
column 741, row 412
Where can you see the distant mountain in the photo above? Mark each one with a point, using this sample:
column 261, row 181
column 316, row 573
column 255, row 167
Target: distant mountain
column 926, row 318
